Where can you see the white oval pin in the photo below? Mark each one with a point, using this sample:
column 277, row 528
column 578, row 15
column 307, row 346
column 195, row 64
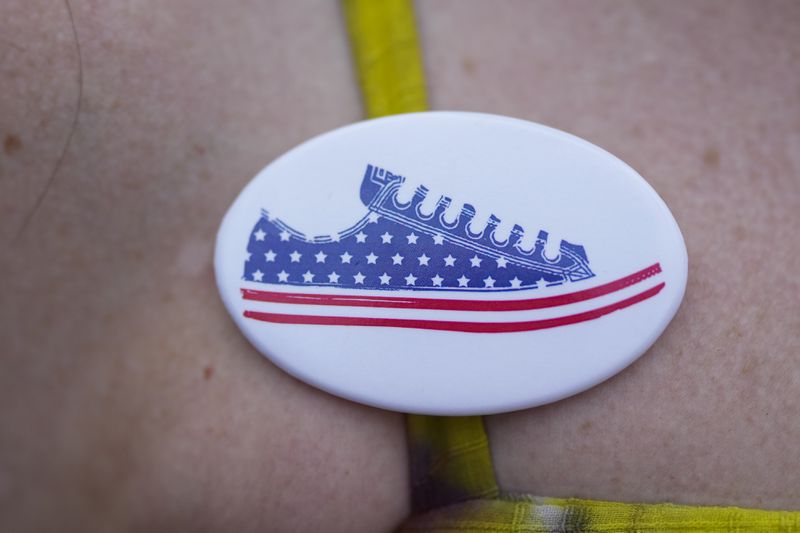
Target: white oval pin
column 450, row 263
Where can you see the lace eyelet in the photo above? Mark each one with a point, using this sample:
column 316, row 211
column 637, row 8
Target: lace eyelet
column 398, row 205
column 551, row 261
column 448, row 225
column 499, row 244
column 522, row 250
column 423, row 216
column 473, row 235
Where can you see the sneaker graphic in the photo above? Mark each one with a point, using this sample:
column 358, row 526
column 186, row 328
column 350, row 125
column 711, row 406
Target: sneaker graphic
column 397, row 246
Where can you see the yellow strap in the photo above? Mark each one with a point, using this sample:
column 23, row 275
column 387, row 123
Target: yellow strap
column 451, row 467
column 386, row 50
column 450, row 459
column 551, row 515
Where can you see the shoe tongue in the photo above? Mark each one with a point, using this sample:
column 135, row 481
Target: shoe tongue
column 375, row 180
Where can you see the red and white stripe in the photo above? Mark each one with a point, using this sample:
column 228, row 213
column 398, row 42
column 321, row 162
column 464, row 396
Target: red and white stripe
column 496, row 313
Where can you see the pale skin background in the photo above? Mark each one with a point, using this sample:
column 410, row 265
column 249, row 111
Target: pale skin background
column 128, row 399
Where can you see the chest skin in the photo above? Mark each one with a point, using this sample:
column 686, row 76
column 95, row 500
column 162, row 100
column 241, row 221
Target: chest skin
column 130, row 400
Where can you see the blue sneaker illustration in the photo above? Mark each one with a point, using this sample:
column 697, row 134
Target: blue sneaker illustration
column 396, row 246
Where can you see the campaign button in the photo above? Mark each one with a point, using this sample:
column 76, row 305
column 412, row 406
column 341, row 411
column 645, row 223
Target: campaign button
column 450, row 263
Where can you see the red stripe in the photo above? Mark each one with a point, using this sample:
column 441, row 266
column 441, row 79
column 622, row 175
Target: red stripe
column 451, row 304
column 442, row 325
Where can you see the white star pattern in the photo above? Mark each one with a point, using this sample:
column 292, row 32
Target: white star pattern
column 409, row 260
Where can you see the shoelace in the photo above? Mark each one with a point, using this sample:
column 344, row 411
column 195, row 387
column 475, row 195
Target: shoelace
column 457, row 224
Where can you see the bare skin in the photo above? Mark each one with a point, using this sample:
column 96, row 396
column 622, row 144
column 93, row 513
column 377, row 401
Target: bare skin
column 130, row 401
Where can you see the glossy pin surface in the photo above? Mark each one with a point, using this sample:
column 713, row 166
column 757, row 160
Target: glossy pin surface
column 450, row 263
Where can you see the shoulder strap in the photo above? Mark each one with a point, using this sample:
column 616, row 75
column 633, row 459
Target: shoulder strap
column 450, row 459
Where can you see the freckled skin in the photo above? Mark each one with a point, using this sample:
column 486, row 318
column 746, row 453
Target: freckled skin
column 129, row 399
column 11, row 144
column 711, row 158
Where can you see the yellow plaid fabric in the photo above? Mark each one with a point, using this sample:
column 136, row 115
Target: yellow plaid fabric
column 450, row 461
column 550, row 515
column 453, row 483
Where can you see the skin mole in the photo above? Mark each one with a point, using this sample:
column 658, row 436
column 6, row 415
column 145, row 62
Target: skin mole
column 711, row 157
column 11, row 144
